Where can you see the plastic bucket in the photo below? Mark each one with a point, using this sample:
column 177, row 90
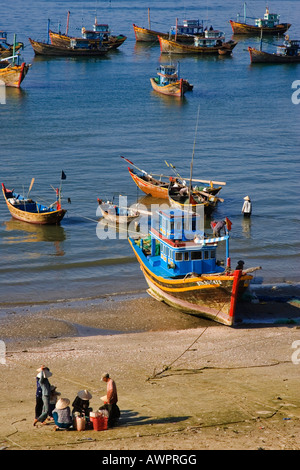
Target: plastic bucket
column 99, row 423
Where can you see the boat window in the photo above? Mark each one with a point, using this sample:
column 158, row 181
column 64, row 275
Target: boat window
column 213, row 254
column 206, row 254
column 170, row 253
column 196, row 255
column 186, row 256
column 178, row 256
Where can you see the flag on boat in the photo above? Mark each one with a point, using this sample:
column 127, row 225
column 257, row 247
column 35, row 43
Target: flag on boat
column 228, row 224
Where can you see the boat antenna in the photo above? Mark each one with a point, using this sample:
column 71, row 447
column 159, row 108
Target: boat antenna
column 191, row 173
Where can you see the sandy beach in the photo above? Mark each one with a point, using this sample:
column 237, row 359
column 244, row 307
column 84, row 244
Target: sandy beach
column 184, row 383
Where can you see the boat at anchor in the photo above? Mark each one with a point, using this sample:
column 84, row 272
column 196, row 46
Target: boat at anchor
column 168, row 81
column 269, row 24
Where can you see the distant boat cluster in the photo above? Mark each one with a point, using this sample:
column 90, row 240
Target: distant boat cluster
column 190, row 37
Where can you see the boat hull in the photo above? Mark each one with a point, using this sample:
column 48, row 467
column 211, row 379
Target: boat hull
column 4, row 53
column 172, row 89
column 49, row 50
column 160, row 192
column 39, row 218
column 260, row 57
column 149, row 35
column 243, row 28
column 212, row 296
column 13, row 75
column 168, row 46
column 113, row 42
column 118, row 219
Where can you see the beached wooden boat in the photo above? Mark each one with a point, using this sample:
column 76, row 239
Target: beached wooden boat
column 116, row 214
column 184, row 32
column 158, row 188
column 13, row 74
column 77, row 48
column 27, row 210
column 269, row 24
column 213, row 42
column 287, row 53
column 190, row 199
column 7, row 50
column 168, row 81
column 181, row 269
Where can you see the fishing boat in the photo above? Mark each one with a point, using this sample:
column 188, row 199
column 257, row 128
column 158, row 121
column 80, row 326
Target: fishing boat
column 78, row 48
column 7, row 50
column 213, row 42
column 99, row 34
column 287, row 53
column 269, row 24
column 114, row 213
column 25, row 209
column 11, row 73
column 158, row 188
column 184, row 32
column 168, row 81
column 180, row 265
column 184, row 198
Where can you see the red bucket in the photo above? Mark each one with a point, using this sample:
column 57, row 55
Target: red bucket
column 99, row 423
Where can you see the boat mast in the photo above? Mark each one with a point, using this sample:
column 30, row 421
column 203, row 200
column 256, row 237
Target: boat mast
column 191, row 172
column 245, row 15
column 149, row 22
column 67, row 28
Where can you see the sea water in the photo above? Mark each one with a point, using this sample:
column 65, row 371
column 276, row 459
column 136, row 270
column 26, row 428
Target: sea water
column 81, row 115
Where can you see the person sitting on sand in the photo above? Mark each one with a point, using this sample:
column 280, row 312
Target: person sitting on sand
column 81, row 404
column 44, row 374
column 62, row 414
column 53, row 399
column 110, row 400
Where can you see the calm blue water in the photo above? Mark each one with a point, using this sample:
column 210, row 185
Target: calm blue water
column 80, row 115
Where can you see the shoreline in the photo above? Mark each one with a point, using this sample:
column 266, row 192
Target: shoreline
column 184, row 382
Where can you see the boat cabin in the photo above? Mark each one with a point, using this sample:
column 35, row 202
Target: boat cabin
column 178, row 245
column 211, row 38
column 289, row 48
column 188, row 27
column 83, row 43
column 167, row 74
column 269, row 20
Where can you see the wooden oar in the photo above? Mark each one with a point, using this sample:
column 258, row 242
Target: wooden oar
column 30, row 187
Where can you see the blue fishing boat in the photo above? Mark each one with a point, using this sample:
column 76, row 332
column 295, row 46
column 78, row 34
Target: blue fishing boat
column 168, row 81
column 179, row 262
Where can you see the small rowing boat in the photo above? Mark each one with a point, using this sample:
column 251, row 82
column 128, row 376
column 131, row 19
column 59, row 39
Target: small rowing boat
column 117, row 214
column 7, row 50
column 25, row 209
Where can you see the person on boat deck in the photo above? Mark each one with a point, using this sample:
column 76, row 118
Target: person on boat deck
column 247, row 207
column 110, row 401
column 217, row 227
column 184, row 191
column 62, row 414
column 240, row 265
column 44, row 374
column 81, row 404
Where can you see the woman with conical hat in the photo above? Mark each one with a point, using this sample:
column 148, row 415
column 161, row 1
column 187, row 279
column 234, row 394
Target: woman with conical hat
column 62, row 414
column 81, row 404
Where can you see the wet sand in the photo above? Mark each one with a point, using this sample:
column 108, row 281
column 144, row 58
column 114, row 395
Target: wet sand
column 183, row 382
